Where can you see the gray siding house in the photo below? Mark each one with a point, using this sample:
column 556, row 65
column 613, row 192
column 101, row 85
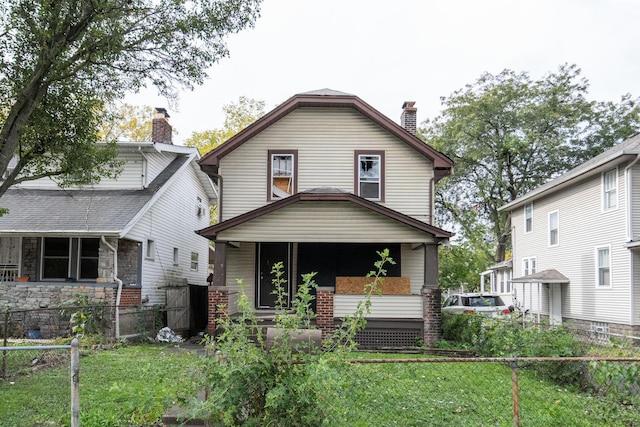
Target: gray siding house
column 576, row 244
column 127, row 241
column 321, row 183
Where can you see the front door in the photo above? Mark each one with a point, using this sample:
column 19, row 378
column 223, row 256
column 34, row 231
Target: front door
column 268, row 255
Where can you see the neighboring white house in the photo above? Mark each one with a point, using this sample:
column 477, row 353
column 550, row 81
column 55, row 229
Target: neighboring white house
column 576, row 244
column 135, row 233
column 321, row 183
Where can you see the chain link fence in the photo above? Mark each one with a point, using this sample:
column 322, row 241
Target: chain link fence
column 46, row 325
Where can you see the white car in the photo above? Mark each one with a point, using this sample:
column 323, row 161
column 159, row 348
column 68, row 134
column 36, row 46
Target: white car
column 485, row 304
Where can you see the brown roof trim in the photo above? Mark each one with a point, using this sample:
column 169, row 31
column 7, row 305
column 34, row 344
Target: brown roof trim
column 210, row 161
column 212, row 231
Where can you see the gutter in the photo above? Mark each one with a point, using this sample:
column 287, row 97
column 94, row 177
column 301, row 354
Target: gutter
column 118, row 281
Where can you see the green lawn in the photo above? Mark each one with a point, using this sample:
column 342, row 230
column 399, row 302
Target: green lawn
column 133, row 386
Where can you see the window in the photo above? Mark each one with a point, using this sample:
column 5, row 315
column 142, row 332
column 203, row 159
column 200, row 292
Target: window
column 528, row 266
column 528, row 217
column 194, row 261
column 176, row 257
column 151, row 249
column 369, row 175
column 89, row 249
column 603, row 267
column 56, row 254
column 283, row 172
column 554, row 226
column 64, row 258
column 610, row 190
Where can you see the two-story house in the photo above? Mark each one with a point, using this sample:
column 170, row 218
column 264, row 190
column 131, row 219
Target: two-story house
column 122, row 241
column 321, row 183
column 576, row 244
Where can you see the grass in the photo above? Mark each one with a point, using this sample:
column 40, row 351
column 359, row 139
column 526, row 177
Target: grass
column 134, row 386
column 130, row 386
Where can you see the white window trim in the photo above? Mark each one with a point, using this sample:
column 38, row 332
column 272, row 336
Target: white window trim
column 176, row 256
column 150, row 247
column 196, row 262
column 525, row 218
column 530, row 258
column 549, row 229
column 597, row 269
column 603, row 193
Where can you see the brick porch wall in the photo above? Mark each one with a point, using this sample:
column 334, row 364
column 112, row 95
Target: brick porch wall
column 324, row 310
column 432, row 316
column 218, row 306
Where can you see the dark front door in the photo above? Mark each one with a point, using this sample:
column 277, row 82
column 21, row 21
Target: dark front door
column 268, row 255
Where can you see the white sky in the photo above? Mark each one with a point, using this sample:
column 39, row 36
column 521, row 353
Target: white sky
column 387, row 52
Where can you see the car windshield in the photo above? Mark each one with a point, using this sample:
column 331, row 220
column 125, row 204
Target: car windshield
column 482, row 301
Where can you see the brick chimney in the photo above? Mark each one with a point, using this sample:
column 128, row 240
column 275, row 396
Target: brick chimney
column 408, row 119
column 160, row 128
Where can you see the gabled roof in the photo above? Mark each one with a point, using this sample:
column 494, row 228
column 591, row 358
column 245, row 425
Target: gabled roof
column 332, row 99
column 87, row 212
column 628, row 148
column 325, row 194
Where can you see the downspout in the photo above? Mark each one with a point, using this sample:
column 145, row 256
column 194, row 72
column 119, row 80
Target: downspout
column 118, row 281
column 432, row 196
column 145, row 168
column 628, row 178
column 218, row 178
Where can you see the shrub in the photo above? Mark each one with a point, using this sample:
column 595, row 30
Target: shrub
column 291, row 383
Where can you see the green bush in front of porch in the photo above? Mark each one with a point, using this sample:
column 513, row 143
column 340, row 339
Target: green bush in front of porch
column 287, row 381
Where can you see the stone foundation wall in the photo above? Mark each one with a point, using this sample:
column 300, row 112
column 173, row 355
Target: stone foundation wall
column 36, row 307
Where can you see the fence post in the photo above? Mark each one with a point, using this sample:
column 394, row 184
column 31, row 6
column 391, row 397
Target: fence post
column 75, row 383
column 514, row 387
column 5, row 333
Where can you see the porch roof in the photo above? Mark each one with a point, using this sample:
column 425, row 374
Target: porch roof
column 326, row 195
column 544, row 276
column 84, row 211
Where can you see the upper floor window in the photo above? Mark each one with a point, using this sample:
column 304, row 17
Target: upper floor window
column 554, row 227
column 369, row 175
column 603, row 267
column 610, row 190
column 528, row 218
column 528, row 266
column 283, row 171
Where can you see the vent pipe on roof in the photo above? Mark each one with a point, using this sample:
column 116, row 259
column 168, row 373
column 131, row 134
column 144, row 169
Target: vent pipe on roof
column 160, row 128
column 408, row 119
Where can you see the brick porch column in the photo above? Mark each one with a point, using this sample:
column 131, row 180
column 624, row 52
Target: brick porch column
column 432, row 316
column 218, row 306
column 324, row 309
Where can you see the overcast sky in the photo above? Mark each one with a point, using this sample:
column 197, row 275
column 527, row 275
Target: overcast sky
column 387, row 52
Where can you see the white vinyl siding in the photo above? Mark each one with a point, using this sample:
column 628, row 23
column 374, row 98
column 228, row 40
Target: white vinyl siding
column 413, row 266
column 335, row 222
column 584, row 226
column 171, row 223
column 610, row 190
column 382, row 307
column 326, row 139
column 241, row 262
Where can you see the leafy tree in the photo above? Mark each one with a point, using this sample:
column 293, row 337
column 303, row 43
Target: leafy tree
column 237, row 117
column 507, row 134
column 127, row 122
column 62, row 61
